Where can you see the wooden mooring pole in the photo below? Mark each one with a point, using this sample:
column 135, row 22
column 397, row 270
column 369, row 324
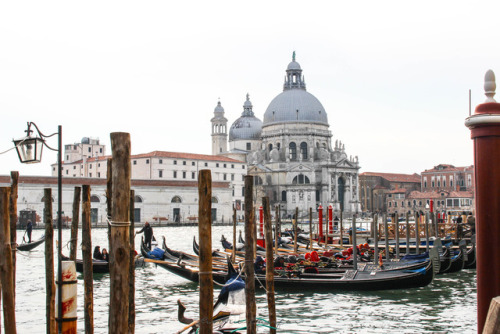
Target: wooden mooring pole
column 14, row 176
column 276, row 230
column 88, row 276
column 6, row 269
column 50, row 285
column 310, row 228
column 270, row 264
column 205, row 260
column 120, row 235
column 295, row 230
column 234, row 235
column 131, row 273
column 407, row 233
column 251, row 306
column 74, row 223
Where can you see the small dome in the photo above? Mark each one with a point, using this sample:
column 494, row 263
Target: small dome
column 247, row 126
column 219, row 108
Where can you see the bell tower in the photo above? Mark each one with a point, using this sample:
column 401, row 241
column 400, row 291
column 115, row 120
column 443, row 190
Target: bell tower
column 219, row 131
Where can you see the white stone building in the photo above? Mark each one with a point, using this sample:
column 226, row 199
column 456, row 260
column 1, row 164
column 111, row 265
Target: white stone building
column 290, row 153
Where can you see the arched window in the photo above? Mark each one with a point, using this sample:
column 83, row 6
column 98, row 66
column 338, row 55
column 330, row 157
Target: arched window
column 257, row 180
column 301, row 179
column 283, row 196
column 176, row 199
column 293, row 151
column 94, row 199
column 278, row 146
column 303, row 150
column 138, row 199
column 270, row 147
column 215, row 200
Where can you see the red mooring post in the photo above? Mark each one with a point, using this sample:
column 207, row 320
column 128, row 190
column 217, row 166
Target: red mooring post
column 330, row 219
column 320, row 223
column 261, row 221
column 485, row 133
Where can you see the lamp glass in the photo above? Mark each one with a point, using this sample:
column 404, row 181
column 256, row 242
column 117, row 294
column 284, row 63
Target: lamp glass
column 29, row 149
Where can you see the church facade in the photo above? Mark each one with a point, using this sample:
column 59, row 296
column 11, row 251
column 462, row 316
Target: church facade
column 290, row 153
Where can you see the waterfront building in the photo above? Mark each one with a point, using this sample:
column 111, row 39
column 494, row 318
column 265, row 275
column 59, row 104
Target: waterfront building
column 375, row 188
column 450, row 188
column 170, row 171
column 156, row 201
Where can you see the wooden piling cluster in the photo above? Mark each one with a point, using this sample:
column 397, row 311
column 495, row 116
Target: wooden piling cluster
column 251, row 306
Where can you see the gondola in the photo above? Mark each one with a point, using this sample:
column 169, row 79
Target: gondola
column 360, row 279
column 30, row 245
column 215, row 253
column 366, row 277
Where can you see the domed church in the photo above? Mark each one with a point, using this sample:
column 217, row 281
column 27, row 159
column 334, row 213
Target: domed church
column 290, row 153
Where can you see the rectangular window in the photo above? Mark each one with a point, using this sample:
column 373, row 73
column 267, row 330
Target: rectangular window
column 192, row 163
column 160, row 161
column 98, row 165
column 243, row 166
column 224, row 165
column 184, row 163
column 90, row 174
column 99, row 174
column 135, row 162
column 242, row 177
column 249, row 146
column 225, row 177
column 147, row 161
column 243, row 191
column 232, row 177
column 193, row 175
column 232, row 166
column 175, row 174
column 183, row 175
column 74, row 167
column 100, row 150
column 90, row 166
column 66, row 172
column 217, row 165
column 206, row 164
column 160, row 173
column 90, row 149
column 175, row 162
column 67, row 157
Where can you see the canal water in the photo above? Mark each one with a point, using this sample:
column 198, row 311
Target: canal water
column 447, row 305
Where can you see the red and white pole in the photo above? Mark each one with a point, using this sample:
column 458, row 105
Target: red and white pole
column 485, row 133
column 330, row 219
column 261, row 220
column 320, row 222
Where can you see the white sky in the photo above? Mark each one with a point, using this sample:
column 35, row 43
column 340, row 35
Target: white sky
column 393, row 76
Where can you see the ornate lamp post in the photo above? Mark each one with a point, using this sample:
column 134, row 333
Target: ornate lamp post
column 29, row 150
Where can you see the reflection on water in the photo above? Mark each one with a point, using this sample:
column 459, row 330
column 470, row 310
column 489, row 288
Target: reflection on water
column 448, row 305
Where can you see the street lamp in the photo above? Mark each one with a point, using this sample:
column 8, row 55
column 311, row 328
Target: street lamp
column 29, row 150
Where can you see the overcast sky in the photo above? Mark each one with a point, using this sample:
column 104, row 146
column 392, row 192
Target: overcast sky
column 393, row 76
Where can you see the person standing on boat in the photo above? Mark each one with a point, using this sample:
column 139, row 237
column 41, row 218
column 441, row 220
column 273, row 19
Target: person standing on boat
column 148, row 234
column 29, row 229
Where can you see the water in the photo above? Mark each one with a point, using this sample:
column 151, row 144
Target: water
column 448, row 305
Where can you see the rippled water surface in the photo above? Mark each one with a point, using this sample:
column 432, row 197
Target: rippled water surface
column 448, row 305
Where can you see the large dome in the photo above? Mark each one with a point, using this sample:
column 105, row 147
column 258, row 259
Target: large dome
column 295, row 105
column 247, row 127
